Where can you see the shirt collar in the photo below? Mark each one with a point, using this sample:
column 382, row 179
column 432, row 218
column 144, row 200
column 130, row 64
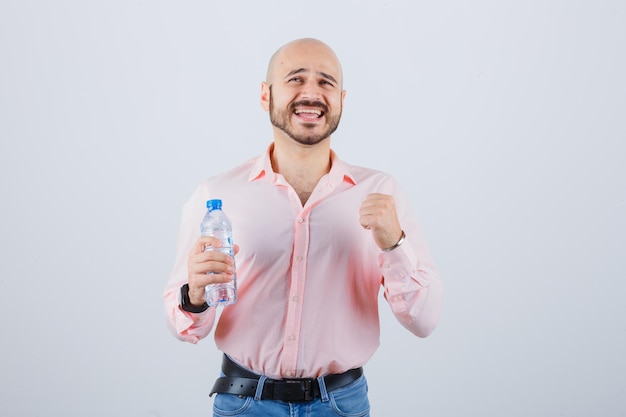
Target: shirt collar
column 262, row 167
column 339, row 170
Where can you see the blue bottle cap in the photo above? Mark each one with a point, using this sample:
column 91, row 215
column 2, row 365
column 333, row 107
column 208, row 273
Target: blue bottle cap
column 214, row 204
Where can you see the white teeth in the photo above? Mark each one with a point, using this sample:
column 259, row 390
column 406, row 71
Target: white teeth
column 318, row 112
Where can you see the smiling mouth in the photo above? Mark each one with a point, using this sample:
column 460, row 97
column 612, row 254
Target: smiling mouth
column 309, row 113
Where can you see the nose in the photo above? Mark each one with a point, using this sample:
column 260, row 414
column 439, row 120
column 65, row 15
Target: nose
column 311, row 90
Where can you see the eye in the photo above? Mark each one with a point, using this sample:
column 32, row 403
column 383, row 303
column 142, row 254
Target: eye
column 295, row 79
column 326, row 82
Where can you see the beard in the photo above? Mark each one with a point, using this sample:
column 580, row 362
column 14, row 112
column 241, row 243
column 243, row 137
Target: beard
column 282, row 120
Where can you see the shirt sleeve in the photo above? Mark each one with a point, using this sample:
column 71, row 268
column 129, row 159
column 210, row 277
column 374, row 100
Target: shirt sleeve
column 190, row 327
column 412, row 289
column 410, row 278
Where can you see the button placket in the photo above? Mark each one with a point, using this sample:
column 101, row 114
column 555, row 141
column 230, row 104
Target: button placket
column 296, row 289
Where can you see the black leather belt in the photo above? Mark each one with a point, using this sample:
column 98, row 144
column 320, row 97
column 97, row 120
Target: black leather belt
column 240, row 381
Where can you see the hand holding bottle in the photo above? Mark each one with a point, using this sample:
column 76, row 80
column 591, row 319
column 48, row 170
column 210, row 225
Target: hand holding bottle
column 206, row 267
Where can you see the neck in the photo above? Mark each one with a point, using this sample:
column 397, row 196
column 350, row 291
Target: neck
column 302, row 166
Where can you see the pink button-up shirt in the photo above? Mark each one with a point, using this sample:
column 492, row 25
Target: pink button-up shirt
column 308, row 277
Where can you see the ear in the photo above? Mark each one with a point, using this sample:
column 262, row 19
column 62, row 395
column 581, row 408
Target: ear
column 265, row 96
column 343, row 97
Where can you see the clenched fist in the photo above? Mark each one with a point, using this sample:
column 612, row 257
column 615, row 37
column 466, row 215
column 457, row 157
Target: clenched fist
column 378, row 214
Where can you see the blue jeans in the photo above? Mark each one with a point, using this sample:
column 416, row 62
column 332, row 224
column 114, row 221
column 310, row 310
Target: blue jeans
column 348, row 401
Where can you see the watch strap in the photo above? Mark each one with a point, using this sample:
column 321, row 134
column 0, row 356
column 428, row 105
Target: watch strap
column 186, row 305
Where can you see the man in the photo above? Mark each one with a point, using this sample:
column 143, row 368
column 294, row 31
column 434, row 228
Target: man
column 316, row 239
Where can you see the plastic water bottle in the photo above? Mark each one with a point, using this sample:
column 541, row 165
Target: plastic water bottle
column 217, row 224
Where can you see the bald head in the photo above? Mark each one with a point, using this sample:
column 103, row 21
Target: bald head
column 303, row 92
column 300, row 53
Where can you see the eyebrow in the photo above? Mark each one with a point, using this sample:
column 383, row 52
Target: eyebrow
column 300, row 70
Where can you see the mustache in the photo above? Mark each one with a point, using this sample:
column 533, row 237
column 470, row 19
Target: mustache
column 309, row 103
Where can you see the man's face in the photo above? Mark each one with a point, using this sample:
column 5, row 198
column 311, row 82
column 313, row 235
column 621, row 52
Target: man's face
column 305, row 95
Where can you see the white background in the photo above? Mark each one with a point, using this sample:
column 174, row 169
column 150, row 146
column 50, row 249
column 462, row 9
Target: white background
column 505, row 122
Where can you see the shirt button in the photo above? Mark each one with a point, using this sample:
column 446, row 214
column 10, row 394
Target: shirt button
column 289, row 373
column 295, row 298
column 300, row 219
column 298, row 258
column 291, row 337
column 386, row 265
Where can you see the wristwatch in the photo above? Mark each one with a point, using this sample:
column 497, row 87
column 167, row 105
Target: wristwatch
column 186, row 305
